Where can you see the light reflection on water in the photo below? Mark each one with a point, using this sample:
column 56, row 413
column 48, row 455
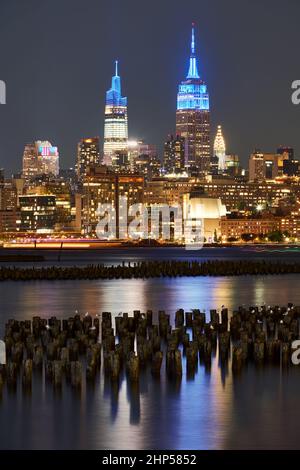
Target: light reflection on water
column 64, row 298
column 213, row 411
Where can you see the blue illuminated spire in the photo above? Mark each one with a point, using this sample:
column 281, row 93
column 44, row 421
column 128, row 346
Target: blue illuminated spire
column 114, row 95
column 116, row 80
column 193, row 70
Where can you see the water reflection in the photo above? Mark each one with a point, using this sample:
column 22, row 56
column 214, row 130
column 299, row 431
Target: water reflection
column 23, row 300
column 211, row 410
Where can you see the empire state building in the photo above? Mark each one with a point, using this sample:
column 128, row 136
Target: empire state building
column 193, row 116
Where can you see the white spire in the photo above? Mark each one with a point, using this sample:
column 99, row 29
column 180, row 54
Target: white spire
column 220, row 148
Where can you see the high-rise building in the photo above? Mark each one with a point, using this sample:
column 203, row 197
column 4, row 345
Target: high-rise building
column 40, row 158
column 174, row 161
column 193, row 116
column 290, row 164
column 288, row 152
column 265, row 166
column 220, row 149
column 148, row 165
column 103, row 186
column 30, row 161
column 115, row 123
column 291, row 167
column 232, row 163
column 48, row 158
column 98, row 187
column 88, row 154
column 143, row 158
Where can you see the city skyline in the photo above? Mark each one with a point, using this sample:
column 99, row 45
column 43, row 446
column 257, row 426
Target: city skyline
column 27, row 118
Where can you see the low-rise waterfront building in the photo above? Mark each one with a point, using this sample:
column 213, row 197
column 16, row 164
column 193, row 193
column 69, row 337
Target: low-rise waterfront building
column 38, row 213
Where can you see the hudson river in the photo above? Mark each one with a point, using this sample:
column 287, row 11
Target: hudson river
column 259, row 409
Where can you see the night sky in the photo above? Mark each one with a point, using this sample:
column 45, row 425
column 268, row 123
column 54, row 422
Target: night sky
column 57, row 58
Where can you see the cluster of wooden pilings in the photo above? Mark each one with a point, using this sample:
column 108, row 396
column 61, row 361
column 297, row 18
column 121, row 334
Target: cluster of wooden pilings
column 70, row 349
column 151, row 269
column 53, row 347
column 264, row 335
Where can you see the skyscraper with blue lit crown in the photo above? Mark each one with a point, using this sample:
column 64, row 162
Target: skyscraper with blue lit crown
column 115, row 122
column 192, row 116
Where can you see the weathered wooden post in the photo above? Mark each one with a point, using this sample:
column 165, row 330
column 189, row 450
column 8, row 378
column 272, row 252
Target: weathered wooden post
column 134, row 367
column 259, row 351
column 38, row 357
column 237, row 359
column 115, row 366
column 179, row 318
column 76, row 374
column 285, row 353
column 149, row 316
column 224, row 317
column 57, row 373
column 177, row 363
column 156, row 363
column 189, row 319
column 49, row 370
column 11, row 373
column 27, row 373
column 191, row 359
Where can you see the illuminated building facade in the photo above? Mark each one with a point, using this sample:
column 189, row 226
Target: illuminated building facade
column 234, row 194
column 48, row 158
column 88, row 153
column 290, row 164
column 102, row 186
column 121, row 161
column 193, row 116
column 61, row 189
column 265, row 166
column 232, row 164
column 148, row 165
column 235, row 228
column 38, row 213
column 8, row 195
column 9, row 221
column 9, row 215
column 220, row 150
column 30, row 161
column 143, row 158
column 99, row 186
column 198, row 205
column 288, row 152
column 115, row 122
column 40, row 158
column 174, row 157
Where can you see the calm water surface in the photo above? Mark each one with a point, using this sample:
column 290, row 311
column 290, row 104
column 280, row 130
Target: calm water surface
column 110, row 256
column 213, row 411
